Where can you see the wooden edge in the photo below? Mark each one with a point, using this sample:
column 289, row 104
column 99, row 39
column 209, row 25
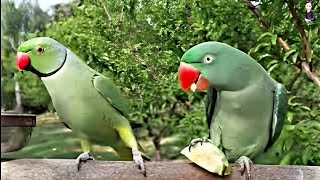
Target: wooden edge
column 50, row 169
column 17, row 120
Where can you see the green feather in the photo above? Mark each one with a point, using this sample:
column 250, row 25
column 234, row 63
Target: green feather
column 111, row 92
column 280, row 105
column 85, row 101
column 245, row 107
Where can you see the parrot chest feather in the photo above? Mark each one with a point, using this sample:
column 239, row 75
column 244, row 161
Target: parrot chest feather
column 243, row 120
column 80, row 105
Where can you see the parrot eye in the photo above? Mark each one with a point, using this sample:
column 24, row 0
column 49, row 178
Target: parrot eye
column 40, row 50
column 208, row 59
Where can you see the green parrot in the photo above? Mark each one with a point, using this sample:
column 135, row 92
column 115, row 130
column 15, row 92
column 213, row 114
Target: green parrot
column 245, row 108
column 87, row 102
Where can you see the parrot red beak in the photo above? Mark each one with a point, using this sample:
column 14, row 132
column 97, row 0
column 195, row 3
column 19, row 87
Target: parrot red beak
column 188, row 75
column 22, row 60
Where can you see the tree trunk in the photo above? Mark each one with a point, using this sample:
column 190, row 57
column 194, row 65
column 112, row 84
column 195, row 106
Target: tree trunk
column 156, row 141
column 18, row 108
column 2, row 97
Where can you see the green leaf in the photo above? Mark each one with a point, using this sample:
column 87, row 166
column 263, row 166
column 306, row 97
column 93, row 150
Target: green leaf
column 306, row 108
column 288, row 53
column 290, row 116
column 253, row 50
column 295, row 57
column 264, row 56
column 286, row 160
column 271, row 63
column 289, row 127
column 295, row 104
column 291, row 99
column 274, row 40
column 315, row 43
column 273, row 67
column 305, row 156
column 288, row 144
column 265, row 35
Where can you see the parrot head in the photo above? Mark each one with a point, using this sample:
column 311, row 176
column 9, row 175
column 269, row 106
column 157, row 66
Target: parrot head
column 42, row 55
column 212, row 64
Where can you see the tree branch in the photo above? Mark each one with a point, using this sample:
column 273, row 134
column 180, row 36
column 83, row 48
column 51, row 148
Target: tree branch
column 283, row 44
column 304, row 66
column 306, row 69
column 299, row 26
column 257, row 13
column 265, row 23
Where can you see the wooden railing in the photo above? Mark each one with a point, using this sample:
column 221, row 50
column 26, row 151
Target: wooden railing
column 60, row 169
column 17, row 120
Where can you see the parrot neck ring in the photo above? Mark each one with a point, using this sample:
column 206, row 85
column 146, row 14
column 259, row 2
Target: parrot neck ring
column 24, row 63
column 190, row 78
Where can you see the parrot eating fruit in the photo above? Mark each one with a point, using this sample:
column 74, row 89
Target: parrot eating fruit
column 87, row 102
column 245, row 107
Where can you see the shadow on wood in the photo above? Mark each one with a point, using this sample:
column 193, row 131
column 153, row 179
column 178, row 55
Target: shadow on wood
column 58, row 169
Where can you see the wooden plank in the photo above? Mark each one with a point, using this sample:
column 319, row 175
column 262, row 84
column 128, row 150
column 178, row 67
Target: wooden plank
column 60, row 169
column 17, row 120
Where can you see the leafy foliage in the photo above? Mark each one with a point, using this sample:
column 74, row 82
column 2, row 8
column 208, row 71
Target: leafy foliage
column 297, row 144
column 17, row 25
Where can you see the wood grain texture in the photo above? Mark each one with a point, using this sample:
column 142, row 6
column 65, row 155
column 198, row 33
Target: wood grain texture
column 58, row 169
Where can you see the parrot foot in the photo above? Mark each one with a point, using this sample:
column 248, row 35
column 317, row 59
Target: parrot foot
column 245, row 166
column 138, row 160
column 84, row 157
column 197, row 140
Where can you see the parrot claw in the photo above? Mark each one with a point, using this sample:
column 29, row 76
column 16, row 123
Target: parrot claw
column 197, row 140
column 84, row 157
column 138, row 160
column 245, row 165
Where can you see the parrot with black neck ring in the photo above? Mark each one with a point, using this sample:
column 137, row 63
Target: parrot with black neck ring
column 87, row 102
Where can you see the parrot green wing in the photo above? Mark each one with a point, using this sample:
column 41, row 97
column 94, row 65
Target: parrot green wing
column 110, row 92
column 280, row 105
column 212, row 96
